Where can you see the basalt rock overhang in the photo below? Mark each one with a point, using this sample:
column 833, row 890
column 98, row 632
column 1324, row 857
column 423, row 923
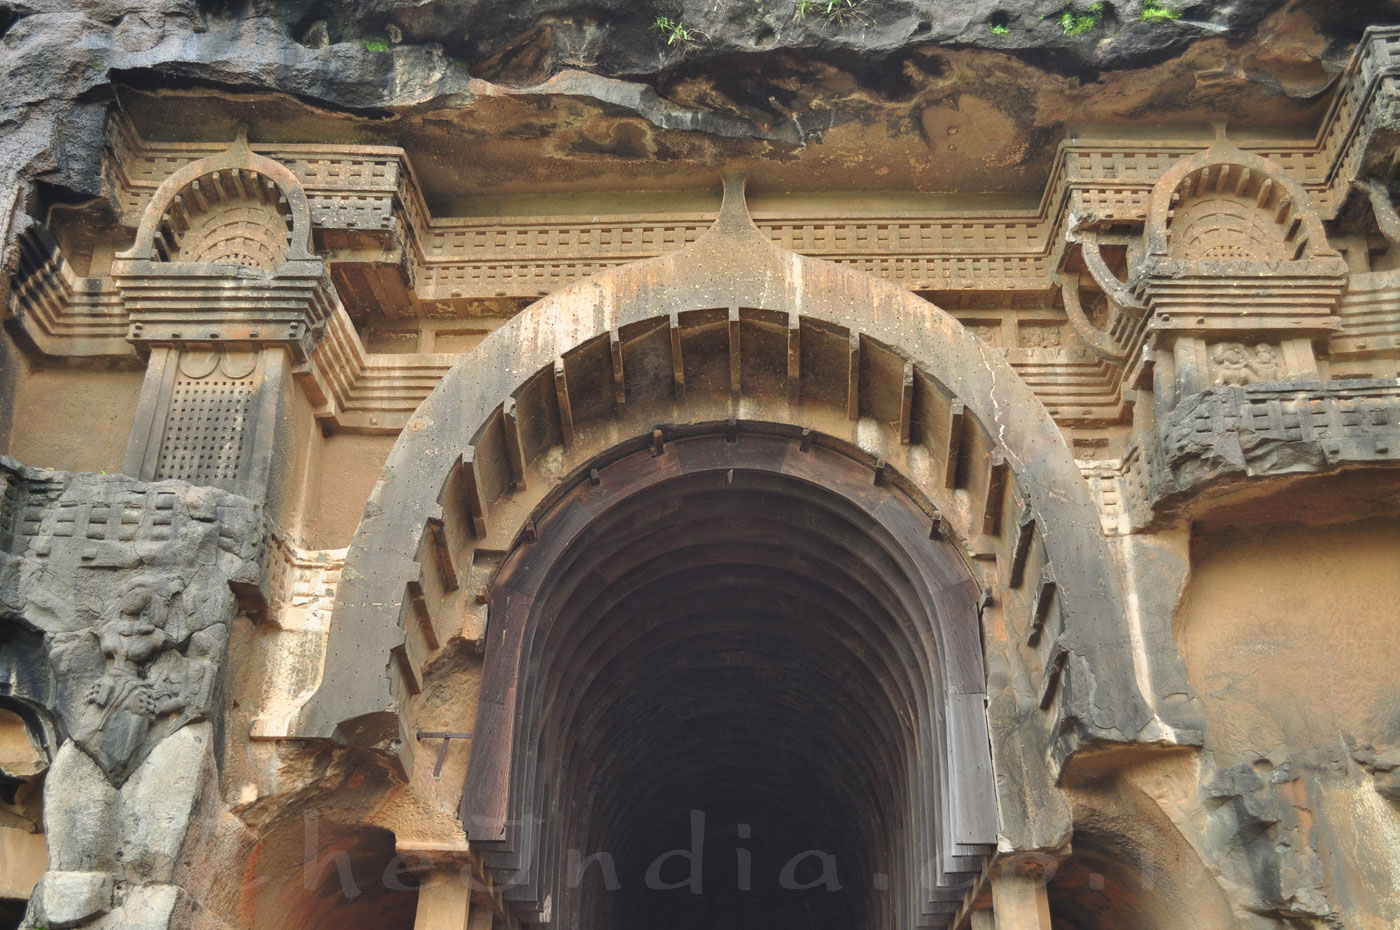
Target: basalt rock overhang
column 552, row 98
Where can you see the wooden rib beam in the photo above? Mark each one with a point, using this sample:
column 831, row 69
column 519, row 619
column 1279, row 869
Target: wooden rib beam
column 794, row 359
column 853, row 377
column 515, row 442
column 619, row 379
column 997, row 471
column 735, row 363
column 677, row 358
column 419, row 605
column 1059, row 655
column 566, row 409
column 406, row 669
column 952, row 448
column 906, row 404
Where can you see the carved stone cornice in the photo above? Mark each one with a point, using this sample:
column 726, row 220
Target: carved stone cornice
column 386, row 252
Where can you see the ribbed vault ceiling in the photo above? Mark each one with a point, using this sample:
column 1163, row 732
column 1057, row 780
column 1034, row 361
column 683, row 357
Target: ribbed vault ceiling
column 747, row 645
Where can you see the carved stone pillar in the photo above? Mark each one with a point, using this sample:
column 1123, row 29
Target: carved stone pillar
column 1019, row 900
column 444, row 901
column 224, row 296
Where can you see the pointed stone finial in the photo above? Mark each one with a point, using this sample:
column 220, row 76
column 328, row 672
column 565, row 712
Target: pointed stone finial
column 240, row 142
column 734, row 210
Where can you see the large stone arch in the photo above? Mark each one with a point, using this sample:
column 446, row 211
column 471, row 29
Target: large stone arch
column 692, row 619
column 735, row 335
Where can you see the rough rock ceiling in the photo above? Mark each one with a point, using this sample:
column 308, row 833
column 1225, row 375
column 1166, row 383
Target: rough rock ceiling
column 505, row 99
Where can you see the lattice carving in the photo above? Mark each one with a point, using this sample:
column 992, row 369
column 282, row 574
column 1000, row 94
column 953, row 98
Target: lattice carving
column 205, row 434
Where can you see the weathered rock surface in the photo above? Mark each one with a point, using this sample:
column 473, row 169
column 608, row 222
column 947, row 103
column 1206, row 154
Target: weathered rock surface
column 117, row 597
column 601, row 82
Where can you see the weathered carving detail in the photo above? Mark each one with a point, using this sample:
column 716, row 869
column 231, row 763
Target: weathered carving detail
column 134, row 587
column 1279, row 428
column 1236, row 365
column 158, row 677
column 131, row 585
column 1041, row 337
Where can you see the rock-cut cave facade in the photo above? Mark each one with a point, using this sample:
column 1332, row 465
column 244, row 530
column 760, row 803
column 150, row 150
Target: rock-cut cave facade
column 853, row 465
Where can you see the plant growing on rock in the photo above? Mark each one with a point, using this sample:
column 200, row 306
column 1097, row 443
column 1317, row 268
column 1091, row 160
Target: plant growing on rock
column 376, row 45
column 1153, row 12
column 676, row 32
column 1076, row 24
column 838, row 12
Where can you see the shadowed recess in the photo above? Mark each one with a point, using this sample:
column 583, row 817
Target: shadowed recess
column 730, row 683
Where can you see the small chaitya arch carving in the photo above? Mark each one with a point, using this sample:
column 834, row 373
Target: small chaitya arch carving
column 1226, row 205
column 236, row 207
column 1232, row 273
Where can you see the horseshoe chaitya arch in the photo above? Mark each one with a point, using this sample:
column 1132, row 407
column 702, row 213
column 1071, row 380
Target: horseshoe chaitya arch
column 692, row 618
column 732, row 330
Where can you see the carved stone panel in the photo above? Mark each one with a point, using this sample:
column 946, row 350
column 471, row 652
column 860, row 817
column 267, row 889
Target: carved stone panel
column 1235, row 365
column 206, row 438
column 1239, row 430
column 130, row 584
column 133, row 587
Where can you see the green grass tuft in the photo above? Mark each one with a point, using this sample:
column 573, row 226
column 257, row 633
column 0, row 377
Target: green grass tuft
column 675, row 32
column 1000, row 30
column 1153, row 12
column 838, row 12
column 1077, row 24
column 376, row 45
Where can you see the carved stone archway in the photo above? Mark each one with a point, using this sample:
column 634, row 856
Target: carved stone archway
column 733, row 335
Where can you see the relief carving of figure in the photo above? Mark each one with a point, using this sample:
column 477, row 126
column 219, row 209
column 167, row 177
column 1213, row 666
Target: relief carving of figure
column 1236, row 367
column 1265, row 364
column 147, row 678
column 134, row 587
